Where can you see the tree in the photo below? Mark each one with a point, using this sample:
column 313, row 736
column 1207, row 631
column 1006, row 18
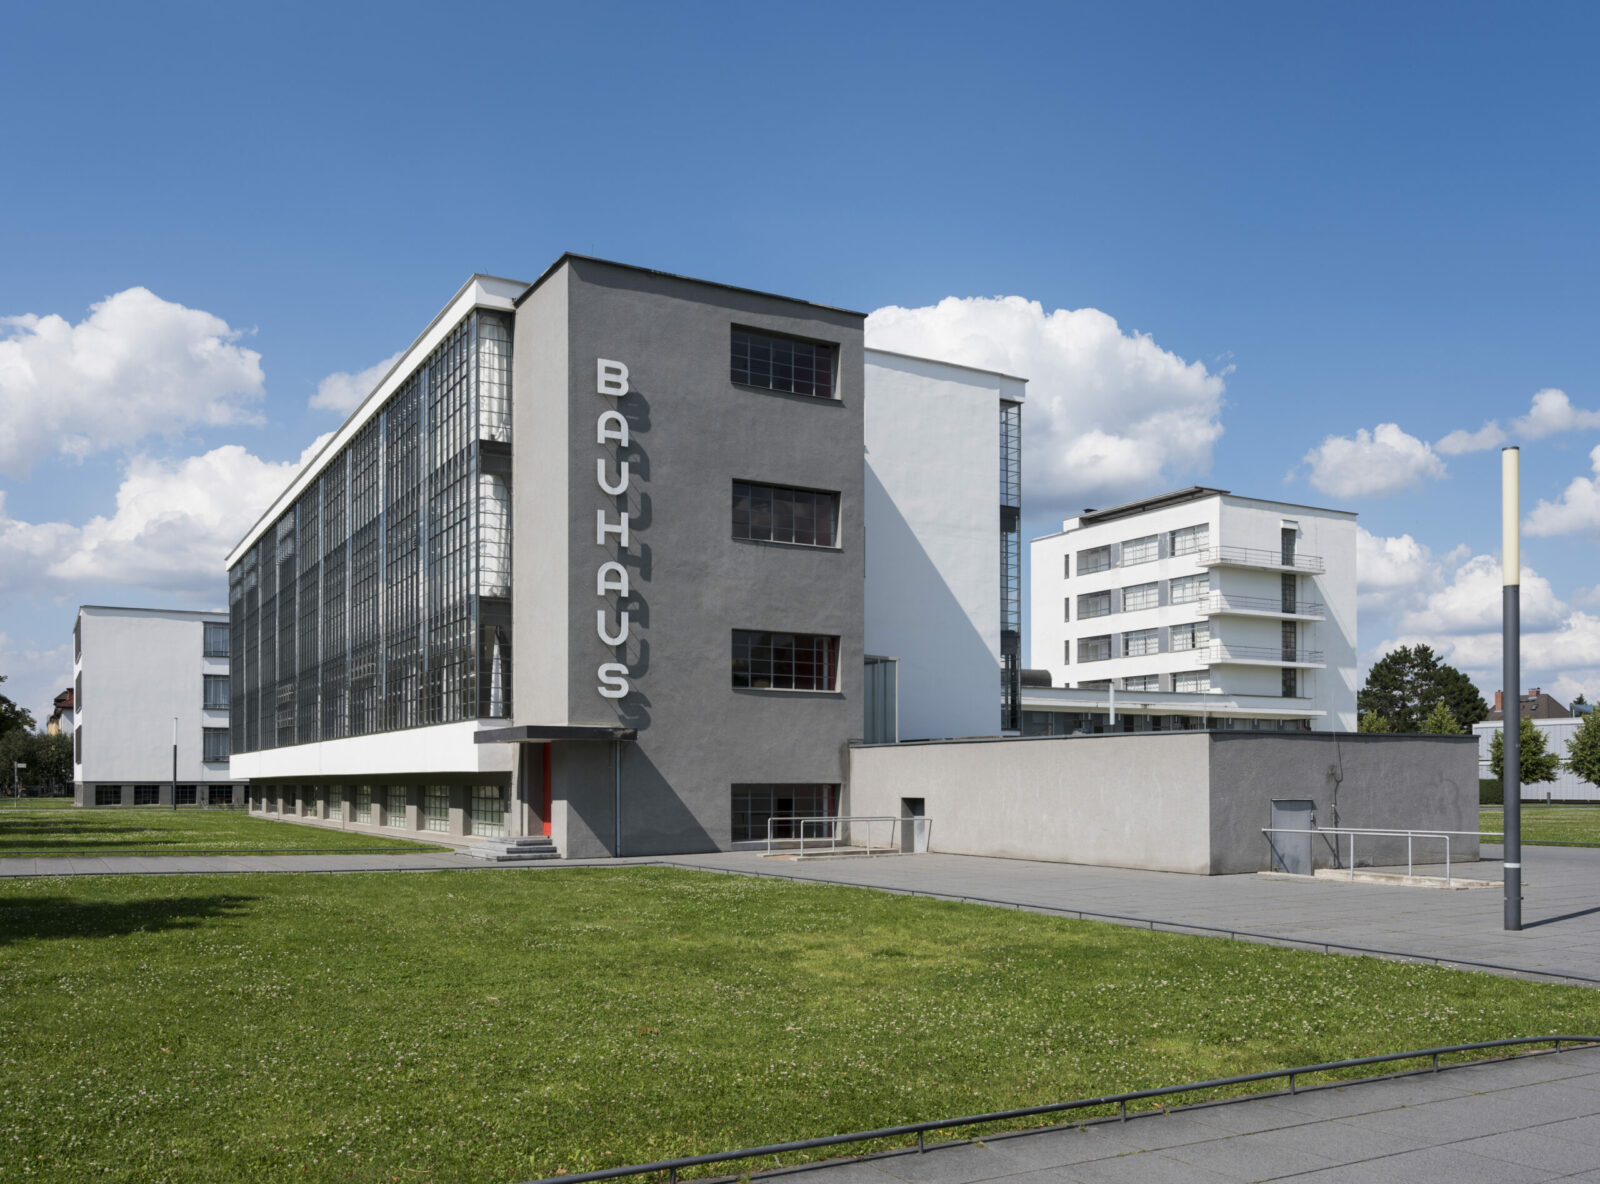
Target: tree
column 1578, row 700
column 1440, row 721
column 1538, row 762
column 12, row 716
column 1405, row 684
column 1583, row 750
column 1373, row 722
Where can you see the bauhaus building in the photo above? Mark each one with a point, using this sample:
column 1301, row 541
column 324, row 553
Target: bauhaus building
column 592, row 561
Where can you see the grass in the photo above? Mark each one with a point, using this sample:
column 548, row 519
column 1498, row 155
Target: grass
column 458, row 1026
column 1557, row 825
column 7, row 802
column 117, row 831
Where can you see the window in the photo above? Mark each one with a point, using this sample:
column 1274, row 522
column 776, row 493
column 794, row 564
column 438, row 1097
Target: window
column 216, row 690
column 1066, row 567
column 1290, row 683
column 486, row 810
column 778, row 514
column 1094, row 649
column 216, row 744
column 754, row 805
column 1095, row 684
column 1191, row 681
column 1191, row 637
column 187, row 795
column 1138, row 596
column 1141, row 550
column 1093, row 560
column 394, row 812
column 1142, row 682
column 336, row 802
column 364, row 803
column 220, row 795
column 1189, row 589
column 77, row 744
column 436, row 808
column 108, row 795
column 1066, row 609
column 216, row 639
column 785, row 661
column 1140, row 642
column 146, row 795
column 1094, row 604
column 1191, row 539
column 782, row 364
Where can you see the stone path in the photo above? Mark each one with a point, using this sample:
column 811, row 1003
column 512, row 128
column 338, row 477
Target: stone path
column 1534, row 1118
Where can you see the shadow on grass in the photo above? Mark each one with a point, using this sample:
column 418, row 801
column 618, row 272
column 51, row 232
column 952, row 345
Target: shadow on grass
column 65, row 916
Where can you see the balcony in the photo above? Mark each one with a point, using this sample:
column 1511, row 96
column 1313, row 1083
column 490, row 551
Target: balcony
column 1220, row 653
column 1218, row 604
column 1257, row 557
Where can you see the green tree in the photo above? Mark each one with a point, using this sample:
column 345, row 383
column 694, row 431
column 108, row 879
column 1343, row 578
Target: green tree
column 1578, row 700
column 1406, row 683
column 1538, row 762
column 1371, row 721
column 1440, row 721
column 1583, row 750
column 12, row 716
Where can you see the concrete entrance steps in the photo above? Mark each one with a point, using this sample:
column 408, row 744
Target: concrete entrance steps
column 520, row 850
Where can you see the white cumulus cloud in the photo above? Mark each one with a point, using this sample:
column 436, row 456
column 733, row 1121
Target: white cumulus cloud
column 1553, row 412
column 136, row 366
column 1490, row 435
column 1472, row 601
column 36, row 673
column 1576, row 511
column 1109, row 413
column 342, row 391
column 1371, row 464
column 1392, row 570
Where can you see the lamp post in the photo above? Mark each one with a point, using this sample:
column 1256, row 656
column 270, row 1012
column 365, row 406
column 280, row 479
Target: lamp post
column 174, row 764
column 1511, row 680
column 16, row 791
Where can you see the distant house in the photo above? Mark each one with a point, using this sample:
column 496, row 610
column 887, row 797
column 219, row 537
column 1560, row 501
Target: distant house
column 61, row 718
column 1559, row 726
column 1535, row 705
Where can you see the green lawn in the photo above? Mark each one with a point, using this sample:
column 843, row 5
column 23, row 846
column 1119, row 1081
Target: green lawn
column 459, row 1026
column 1556, row 825
column 117, row 831
column 7, row 802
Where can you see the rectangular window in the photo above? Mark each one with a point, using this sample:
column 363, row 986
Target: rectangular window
column 487, row 810
column 216, row 692
column 146, row 795
column 1191, row 637
column 784, row 806
column 220, row 795
column 1094, row 649
column 216, row 745
column 1191, row 681
column 779, row 514
column 1141, row 550
column 1142, row 682
column 336, row 803
column 1191, row 539
column 216, row 639
column 1066, row 567
column 1141, row 642
column 782, row 364
column 1094, row 604
column 108, row 795
column 77, row 744
column 785, row 661
column 364, row 803
column 1138, row 596
column 1189, row 589
column 1095, row 684
column 1290, row 683
column 394, row 813
column 187, row 795
column 1066, row 609
column 1093, row 560
column 436, row 808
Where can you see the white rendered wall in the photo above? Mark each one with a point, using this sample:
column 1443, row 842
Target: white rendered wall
column 442, row 748
column 1567, row 786
column 933, row 538
column 139, row 668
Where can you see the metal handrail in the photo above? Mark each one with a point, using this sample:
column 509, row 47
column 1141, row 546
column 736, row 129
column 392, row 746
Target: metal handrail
column 1353, row 831
column 831, row 821
column 1258, row 557
column 1222, row 601
column 1221, row 651
column 672, row 1166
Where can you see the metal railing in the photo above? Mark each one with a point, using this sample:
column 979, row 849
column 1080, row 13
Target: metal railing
column 1221, row 651
column 1378, row 832
column 1258, row 557
column 920, row 1129
column 823, row 831
column 1219, row 602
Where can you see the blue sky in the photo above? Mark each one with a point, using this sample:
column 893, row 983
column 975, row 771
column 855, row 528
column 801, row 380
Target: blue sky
column 1306, row 221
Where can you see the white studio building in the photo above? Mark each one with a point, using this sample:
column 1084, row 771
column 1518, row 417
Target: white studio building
column 154, row 680
column 1195, row 609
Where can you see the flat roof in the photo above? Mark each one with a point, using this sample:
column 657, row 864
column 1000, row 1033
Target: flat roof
column 1178, row 497
column 570, row 256
column 538, row 733
column 132, row 608
column 894, row 353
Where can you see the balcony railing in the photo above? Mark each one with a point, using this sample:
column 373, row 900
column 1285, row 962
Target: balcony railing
column 1225, row 602
column 1257, row 557
column 1270, row 655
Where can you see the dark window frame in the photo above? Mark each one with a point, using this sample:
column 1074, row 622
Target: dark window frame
column 211, row 630
column 211, row 738
column 211, row 683
column 789, row 365
column 785, row 515
column 774, row 660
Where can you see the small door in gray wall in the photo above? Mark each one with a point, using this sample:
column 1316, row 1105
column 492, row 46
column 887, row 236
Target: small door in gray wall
column 1292, row 853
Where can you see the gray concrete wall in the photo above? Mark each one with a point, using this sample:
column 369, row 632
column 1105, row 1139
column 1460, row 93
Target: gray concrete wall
column 1355, row 779
column 1130, row 800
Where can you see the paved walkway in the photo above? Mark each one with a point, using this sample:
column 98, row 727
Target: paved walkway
column 1530, row 1119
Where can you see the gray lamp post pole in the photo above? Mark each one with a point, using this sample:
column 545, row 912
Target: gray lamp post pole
column 174, row 764
column 1511, row 680
column 16, row 791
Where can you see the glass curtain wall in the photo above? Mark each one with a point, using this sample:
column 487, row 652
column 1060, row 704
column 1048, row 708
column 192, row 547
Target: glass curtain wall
column 1010, row 565
column 382, row 598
